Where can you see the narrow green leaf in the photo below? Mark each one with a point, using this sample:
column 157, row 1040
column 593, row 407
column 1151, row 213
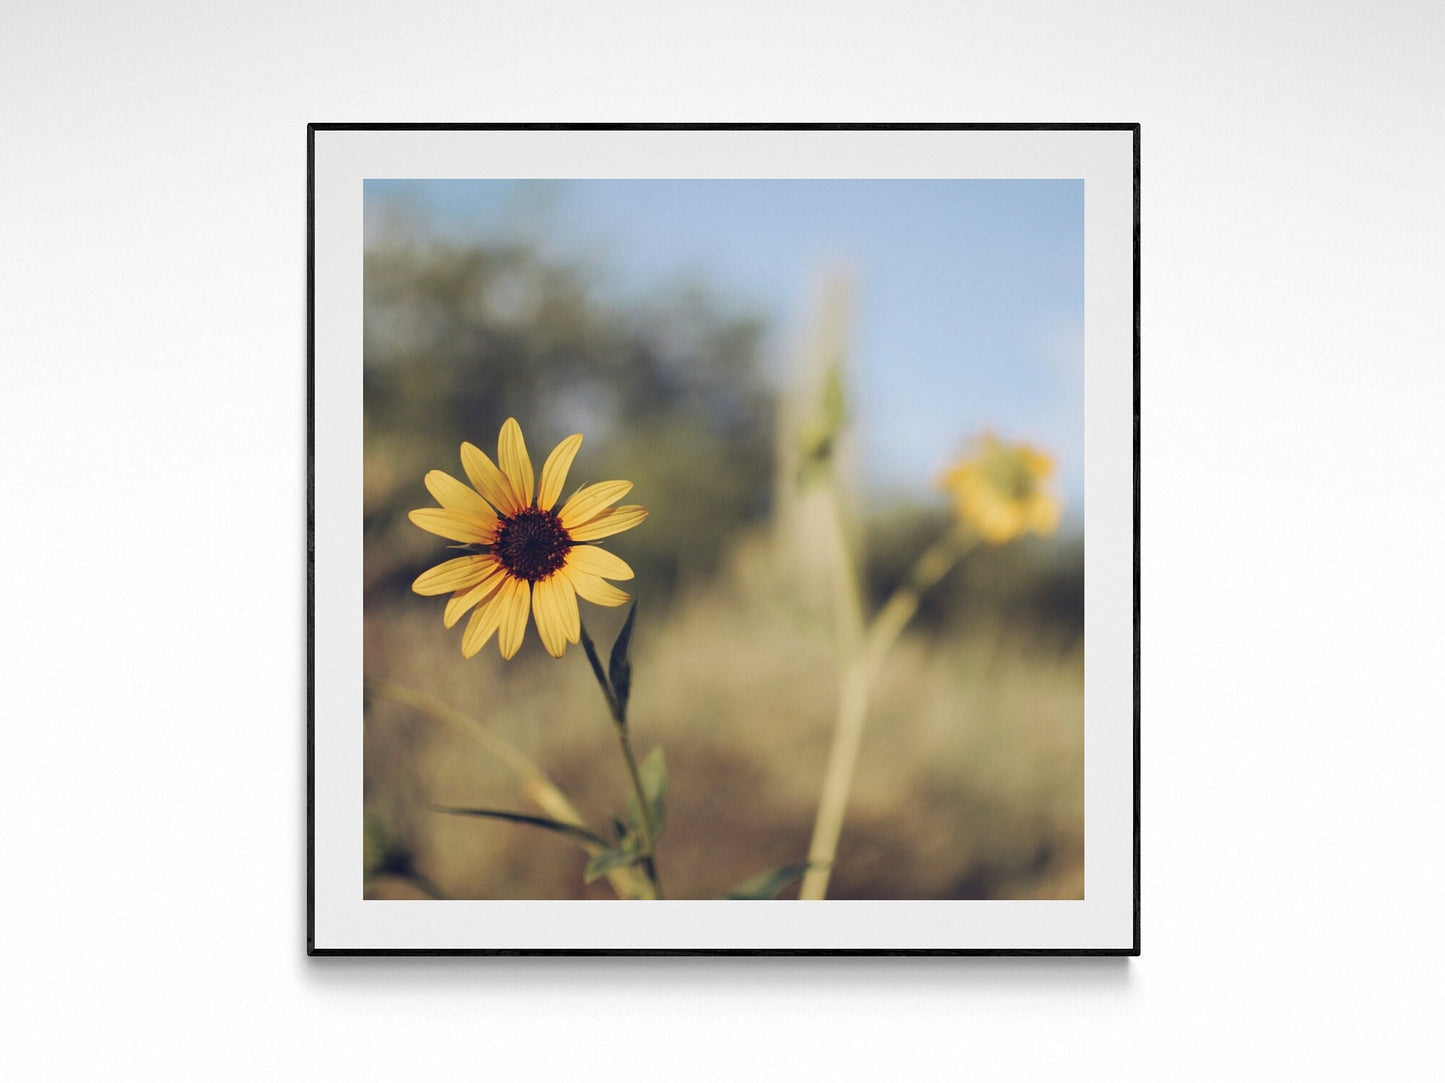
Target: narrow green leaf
column 619, row 829
column 770, row 884
column 605, row 861
column 619, row 668
column 652, row 772
column 591, row 649
column 571, row 830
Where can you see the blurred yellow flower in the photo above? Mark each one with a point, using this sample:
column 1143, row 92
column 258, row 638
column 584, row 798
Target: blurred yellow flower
column 998, row 490
column 536, row 561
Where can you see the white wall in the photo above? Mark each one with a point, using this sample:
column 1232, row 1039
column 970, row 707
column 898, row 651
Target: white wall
column 152, row 419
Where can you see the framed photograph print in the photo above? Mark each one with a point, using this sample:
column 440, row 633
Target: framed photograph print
column 724, row 539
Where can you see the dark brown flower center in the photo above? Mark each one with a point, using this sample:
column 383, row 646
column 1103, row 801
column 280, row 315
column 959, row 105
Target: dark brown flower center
column 531, row 544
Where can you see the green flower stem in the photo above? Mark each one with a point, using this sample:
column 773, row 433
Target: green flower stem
column 619, row 721
column 613, row 707
column 860, row 668
column 932, row 566
column 649, row 829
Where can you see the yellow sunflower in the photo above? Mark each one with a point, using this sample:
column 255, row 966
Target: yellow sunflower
column 537, row 560
column 998, row 490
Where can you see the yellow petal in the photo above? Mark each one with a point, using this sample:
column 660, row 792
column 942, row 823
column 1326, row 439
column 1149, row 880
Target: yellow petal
column 455, row 525
column 454, row 496
column 594, row 589
column 463, row 600
column 480, row 628
column 588, row 558
column 456, row 574
column 999, row 523
column 1044, row 518
column 598, row 563
column 610, row 522
column 512, row 455
column 488, row 480
column 1036, row 462
column 554, row 471
column 549, row 608
column 571, row 618
column 514, row 598
column 587, row 503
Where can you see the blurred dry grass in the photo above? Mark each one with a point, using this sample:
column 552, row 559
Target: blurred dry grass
column 970, row 785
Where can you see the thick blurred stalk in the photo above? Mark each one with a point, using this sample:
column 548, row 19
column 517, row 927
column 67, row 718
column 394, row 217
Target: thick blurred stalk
column 818, row 514
column 816, row 498
column 859, row 672
column 816, row 523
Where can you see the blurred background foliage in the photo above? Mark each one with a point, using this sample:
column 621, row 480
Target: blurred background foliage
column 971, row 783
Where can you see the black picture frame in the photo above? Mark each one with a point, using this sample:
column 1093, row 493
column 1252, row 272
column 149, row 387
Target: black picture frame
column 324, row 947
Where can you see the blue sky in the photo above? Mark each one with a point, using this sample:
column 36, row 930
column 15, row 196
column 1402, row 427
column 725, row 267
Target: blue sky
column 969, row 295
